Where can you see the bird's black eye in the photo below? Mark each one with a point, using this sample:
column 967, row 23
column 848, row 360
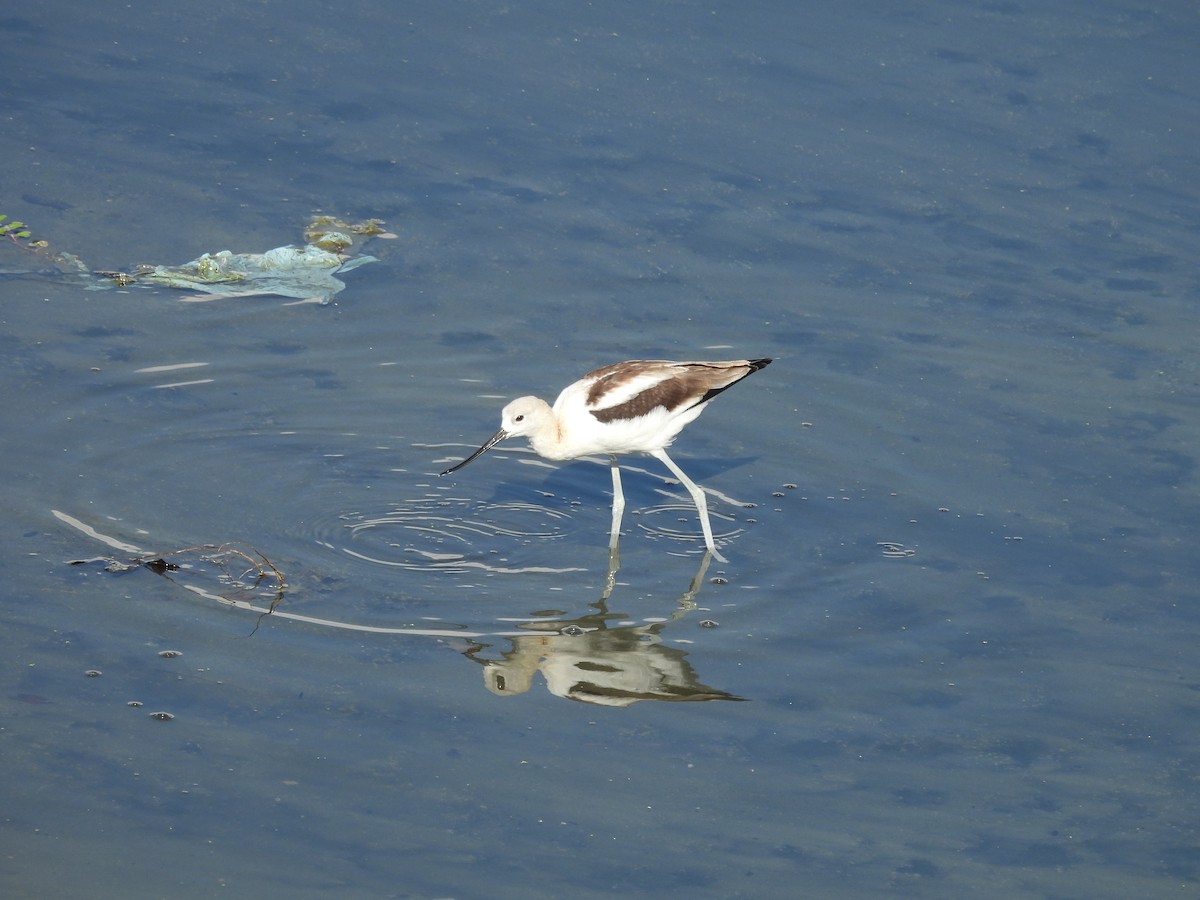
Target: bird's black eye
column 519, row 419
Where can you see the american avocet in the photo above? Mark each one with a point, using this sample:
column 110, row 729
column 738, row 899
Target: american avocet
column 637, row 406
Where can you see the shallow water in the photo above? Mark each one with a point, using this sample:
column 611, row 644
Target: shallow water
column 953, row 647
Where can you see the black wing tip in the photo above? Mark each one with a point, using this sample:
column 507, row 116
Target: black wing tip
column 756, row 364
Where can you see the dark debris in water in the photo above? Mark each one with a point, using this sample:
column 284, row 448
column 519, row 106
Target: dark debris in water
column 235, row 573
column 157, row 565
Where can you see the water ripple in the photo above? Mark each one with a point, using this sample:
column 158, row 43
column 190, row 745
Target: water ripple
column 452, row 534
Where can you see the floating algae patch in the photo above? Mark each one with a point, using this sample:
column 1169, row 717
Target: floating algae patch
column 307, row 273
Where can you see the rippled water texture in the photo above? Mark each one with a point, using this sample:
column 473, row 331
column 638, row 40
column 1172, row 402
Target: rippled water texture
column 253, row 645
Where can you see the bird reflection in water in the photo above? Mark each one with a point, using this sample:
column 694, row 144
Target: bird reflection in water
column 592, row 660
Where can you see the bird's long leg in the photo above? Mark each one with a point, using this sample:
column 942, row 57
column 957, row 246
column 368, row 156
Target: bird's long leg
column 697, row 498
column 618, row 503
column 614, row 566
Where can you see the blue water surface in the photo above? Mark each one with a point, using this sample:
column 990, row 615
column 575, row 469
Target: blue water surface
column 953, row 649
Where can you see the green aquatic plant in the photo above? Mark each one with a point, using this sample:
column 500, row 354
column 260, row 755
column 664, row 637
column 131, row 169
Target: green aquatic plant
column 14, row 230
